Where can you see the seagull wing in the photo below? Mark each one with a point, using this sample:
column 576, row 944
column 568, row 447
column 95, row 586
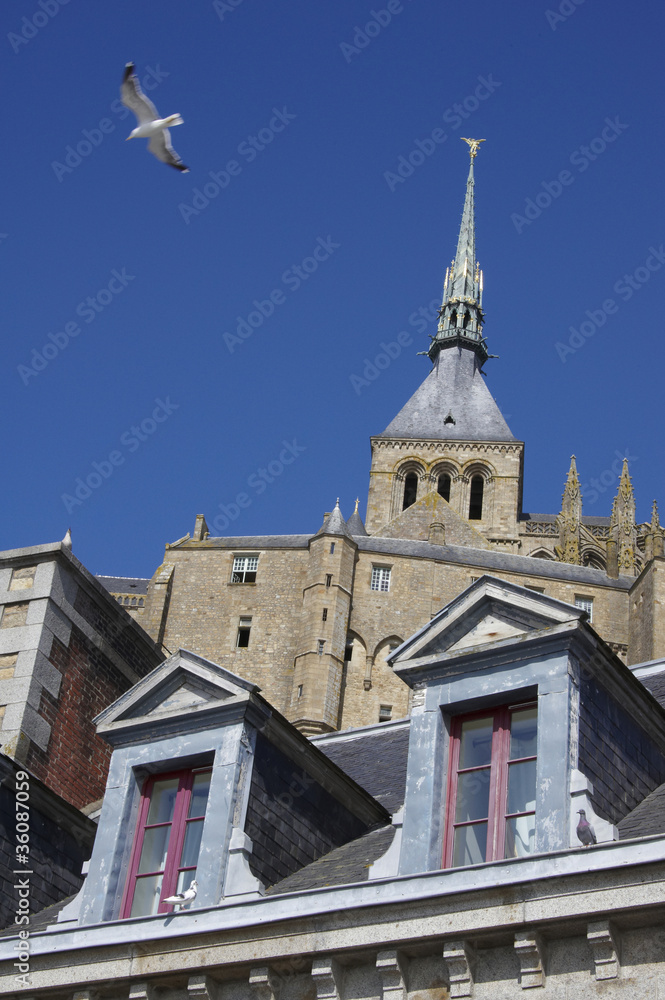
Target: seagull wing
column 160, row 146
column 133, row 97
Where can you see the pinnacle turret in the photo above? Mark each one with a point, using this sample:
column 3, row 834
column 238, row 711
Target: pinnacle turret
column 461, row 316
column 623, row 531
column 570, row 518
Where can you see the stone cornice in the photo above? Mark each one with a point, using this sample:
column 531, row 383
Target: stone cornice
column 434, row 444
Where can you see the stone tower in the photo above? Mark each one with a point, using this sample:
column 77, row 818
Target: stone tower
column 319, row 661
column 450, row 440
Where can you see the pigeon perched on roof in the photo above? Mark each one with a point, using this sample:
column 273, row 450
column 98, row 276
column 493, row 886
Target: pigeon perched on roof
column 180, row 898
column 585, row 832
column 150, row 125
column 67, row 540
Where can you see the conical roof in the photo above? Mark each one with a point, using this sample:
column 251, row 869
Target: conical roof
column 355, row 523
column 452, row 404
column 334, row 524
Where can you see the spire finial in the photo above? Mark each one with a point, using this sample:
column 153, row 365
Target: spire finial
column 461, row 315
column 473, row 145
column 358, row 501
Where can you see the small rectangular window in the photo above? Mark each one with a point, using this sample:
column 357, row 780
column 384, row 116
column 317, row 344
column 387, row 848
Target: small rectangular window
column 586, row 604
column 332, row 548
column 320, row 646
column 324, row 615
column 244, row 569
column 380, row 578
column 244, row 628
column 300, row 690
column 385, row 713
column 328, row 579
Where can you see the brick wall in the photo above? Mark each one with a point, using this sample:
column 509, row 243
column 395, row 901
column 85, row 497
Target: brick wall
column 615, row 753
column 75, row 764
column 291, row 820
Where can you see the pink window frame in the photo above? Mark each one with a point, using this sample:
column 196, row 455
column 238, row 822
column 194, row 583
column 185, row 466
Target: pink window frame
column 500, row 759
column 178, row 824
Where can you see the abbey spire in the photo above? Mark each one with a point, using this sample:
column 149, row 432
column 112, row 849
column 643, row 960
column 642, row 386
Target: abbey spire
column 461, row 316
column 449, row 447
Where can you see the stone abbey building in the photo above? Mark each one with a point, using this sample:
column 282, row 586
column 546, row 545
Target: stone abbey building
column 311, row 618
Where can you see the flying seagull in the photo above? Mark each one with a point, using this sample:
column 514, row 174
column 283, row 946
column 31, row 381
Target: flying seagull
column 585, row 832
column 150, row 125
column 187, row 896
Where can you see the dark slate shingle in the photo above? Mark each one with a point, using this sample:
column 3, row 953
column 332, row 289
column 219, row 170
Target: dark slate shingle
column 376, row 761
column 341, row 866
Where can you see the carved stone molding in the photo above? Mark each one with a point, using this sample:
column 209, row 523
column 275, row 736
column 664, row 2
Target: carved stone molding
column 141, row 990
column 605, row 946
column 481, row 447
column 202, row 988
column 392, row 967
column 263, row 983
column 530, row 950
column 327, row 974
column 460, row 959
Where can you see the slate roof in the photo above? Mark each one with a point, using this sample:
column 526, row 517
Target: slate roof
column 41, row 920
column 552, row 518
column 355, row 524
column 493, row 561
column 124, row 584
column 375, row 757
column 455, row 386
column 341, row 866
column 656, row 684
column 646, row 819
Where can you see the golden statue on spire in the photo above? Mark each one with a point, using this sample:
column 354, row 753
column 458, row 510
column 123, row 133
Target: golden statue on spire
column 473, row 145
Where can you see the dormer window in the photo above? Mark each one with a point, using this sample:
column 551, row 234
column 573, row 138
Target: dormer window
column 492, row 786
column 168, row 838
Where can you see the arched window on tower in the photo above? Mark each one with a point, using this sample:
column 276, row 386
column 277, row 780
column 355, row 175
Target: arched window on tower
column 476, row 498
column 443, row 486
column 410, row 489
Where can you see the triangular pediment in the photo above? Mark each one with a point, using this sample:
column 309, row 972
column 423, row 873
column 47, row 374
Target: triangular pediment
column 182, row 686
column 489, row 611
column 416, row 522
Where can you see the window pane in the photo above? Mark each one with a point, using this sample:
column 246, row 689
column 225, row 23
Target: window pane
column 185, row 879
column 200, row 789
column 190, row 849
column 523, row 733
column 520, row 836
column 146, row 896
column 162, row 801
column 521, row 787
column 153, row 852
column 473, row 796
column 470, row 845
column 476, row 743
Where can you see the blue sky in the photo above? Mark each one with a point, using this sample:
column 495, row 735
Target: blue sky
column 297, row 118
